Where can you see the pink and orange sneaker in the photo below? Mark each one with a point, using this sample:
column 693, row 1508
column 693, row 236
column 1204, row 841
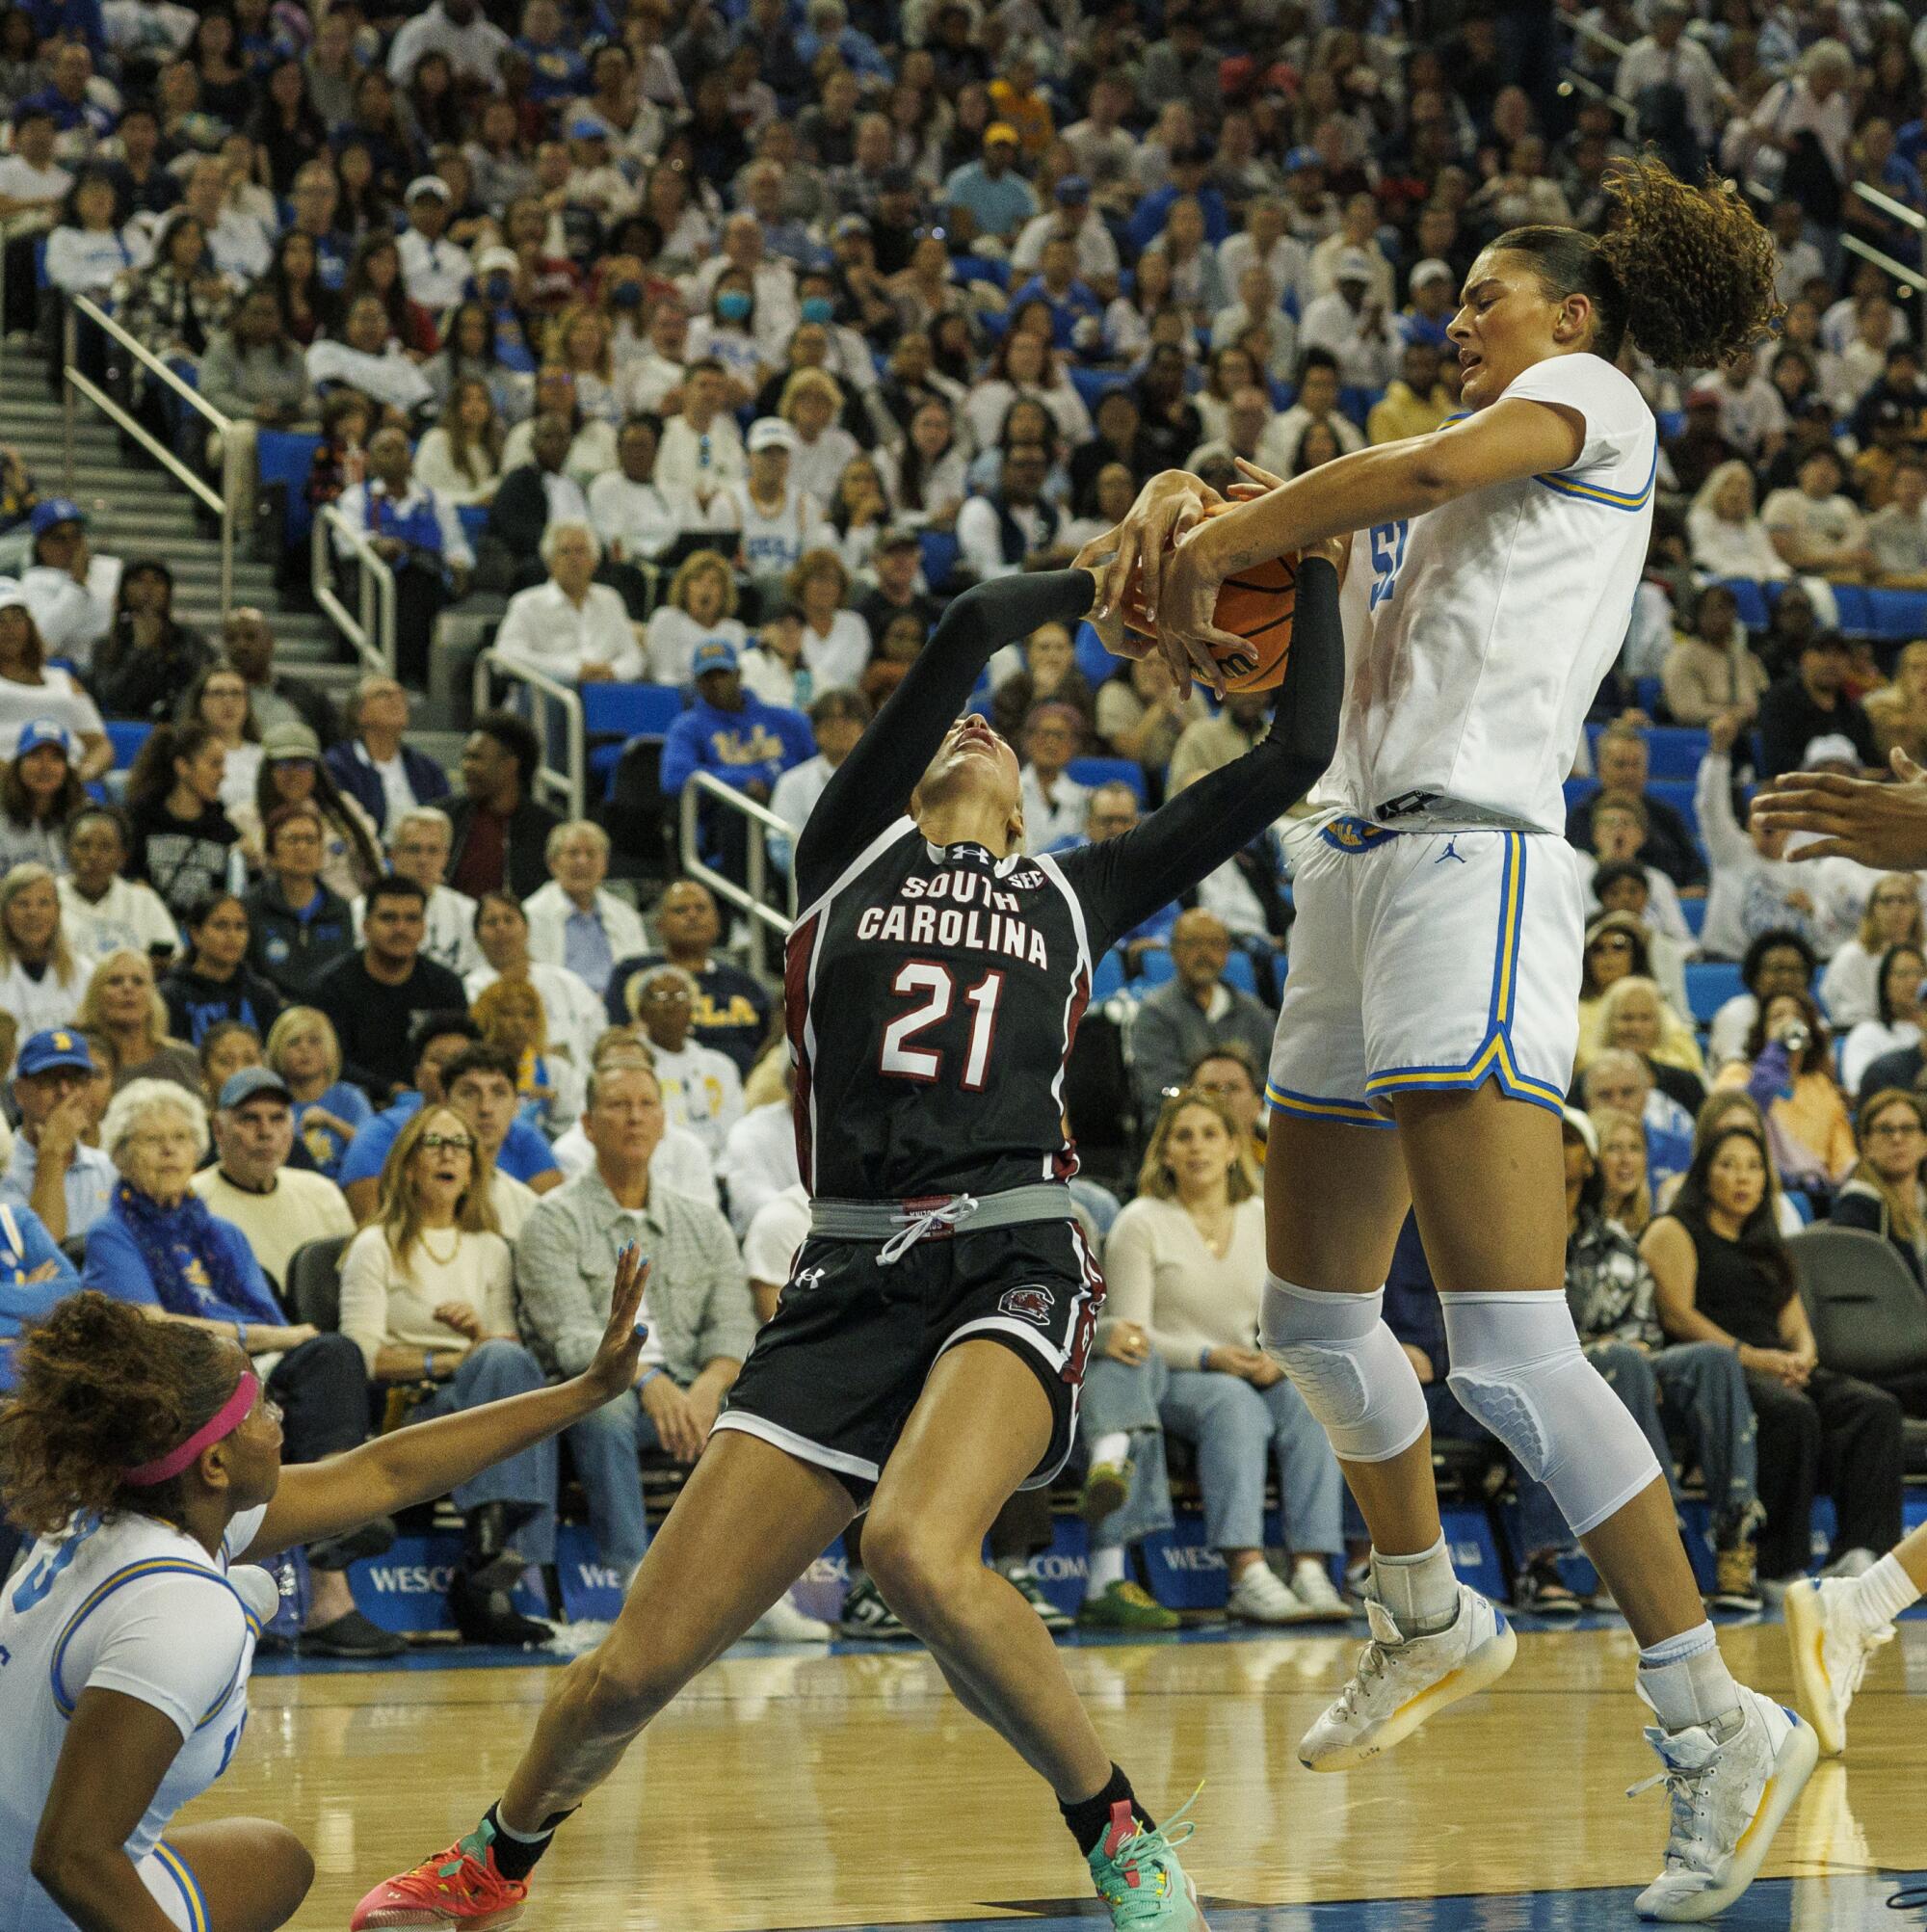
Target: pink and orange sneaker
column 460, row 1886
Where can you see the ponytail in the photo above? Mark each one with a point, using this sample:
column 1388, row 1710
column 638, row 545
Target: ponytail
column 1686, row 273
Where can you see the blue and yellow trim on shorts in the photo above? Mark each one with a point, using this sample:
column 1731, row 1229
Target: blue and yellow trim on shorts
column 181, row 1872
column 134, row 1572
column 1494, row 1060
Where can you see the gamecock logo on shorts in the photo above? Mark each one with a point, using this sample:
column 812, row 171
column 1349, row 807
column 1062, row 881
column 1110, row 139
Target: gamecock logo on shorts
column 1029, row 1304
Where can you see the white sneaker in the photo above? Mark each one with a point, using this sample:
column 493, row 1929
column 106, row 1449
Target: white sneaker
column 1260, row 1596
column 1830, row 1648
column 1399, row 1682
column 1730, row 1787
column 1312, row 1585
column 782, row 1623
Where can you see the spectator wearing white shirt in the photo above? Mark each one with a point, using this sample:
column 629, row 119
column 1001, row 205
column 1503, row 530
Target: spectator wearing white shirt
column 1799, row 260
column 1318, row 383
column 1339, row 256
column 779, row 1227
column 33, row 185
column 460, row 458
column 1073, row 217
column 239, row 244
column 700, row 609
column 457, row 28
column 1665, row 57
column 1618, row 832
column 1816, row 99
column 575, row 1017
column 574, row 920
column 435, row 271
column 90, row 249
column 592, row 439
column 1723, row 530
column 367, row 358
column 680, row 1162
column 1257, row 308
column 1353, row 325
column 774, row 314
column 656, row 375
column 701, row 447
column 631, row 512
column 1266, row 242
column 68, row 589
column 759, row 1158
column 102, row 910
column 373, row 764
column 419, row 843
column 835, row 640
column 1053, row 803
column 812, row 402
column 701, row 1089
column 570, row 628
column 775, row 517
column 1815, row 528
column 1015, row 528
column 837, row 719
column 1753, row 416
column 1753, row 889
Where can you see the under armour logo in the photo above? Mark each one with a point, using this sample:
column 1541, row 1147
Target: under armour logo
column 1451, row 852
column 808, row 1279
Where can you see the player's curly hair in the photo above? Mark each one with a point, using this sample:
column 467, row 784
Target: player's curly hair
column 101, row 1389
column 1687, row 271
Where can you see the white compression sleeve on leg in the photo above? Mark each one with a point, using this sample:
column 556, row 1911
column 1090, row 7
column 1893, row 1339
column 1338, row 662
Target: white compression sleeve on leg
column 1354, row 1378
column 1516, row 1365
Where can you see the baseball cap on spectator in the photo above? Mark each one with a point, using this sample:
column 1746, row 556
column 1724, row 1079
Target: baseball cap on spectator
column 1354, row 265
column 288, row 740
column 1072, row 191
column 1301, row 160
column 716, row 654
column 1576, row 1123
column 1831, row 748
column 849, row 225
column 12, row 597
column 428, row 184
column 54, row 511
column 497, row 257
column 238, row 1089
column 1431, row 269
column 898, row 539
column 770, row 432
column 55, row 1046
column 1000, row 130
column 38, row 731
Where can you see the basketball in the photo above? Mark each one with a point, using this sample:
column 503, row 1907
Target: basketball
column 1257, row 604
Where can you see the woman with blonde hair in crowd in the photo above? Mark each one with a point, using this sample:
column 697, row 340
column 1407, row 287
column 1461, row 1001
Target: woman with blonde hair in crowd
column 701, row 607
column 124, row 1003
column 1625, row 1196
column 581, row 341
column 41, row 984
column 1722, row 527
column 511, row 1016
column 428, row 1294
column 1185, row 1263
column 1849, row 986
column 1898, row 710
column 303, row 1050
column 812, row 404
column 1633, row 1012
column 835, row 640
column 460, row 458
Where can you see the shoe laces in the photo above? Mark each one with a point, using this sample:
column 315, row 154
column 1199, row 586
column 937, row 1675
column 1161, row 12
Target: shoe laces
column 1860, row 1653
column 1148, row 1851
column 1686, row 1770
column 455, row 1870
column 1373, row 1661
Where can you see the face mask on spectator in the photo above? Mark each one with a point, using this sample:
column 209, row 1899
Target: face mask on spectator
column 818, row 309
column 732, row 305
column 627, row 294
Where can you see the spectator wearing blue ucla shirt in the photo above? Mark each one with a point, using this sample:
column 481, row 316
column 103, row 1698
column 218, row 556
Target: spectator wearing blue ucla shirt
column 1071, row 301
column 52, row 1170
column 738, row 738
column 1189, row 167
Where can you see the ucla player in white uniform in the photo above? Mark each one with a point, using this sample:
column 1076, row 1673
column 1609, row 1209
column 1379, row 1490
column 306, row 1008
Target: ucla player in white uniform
column 148, row 1460
column 1426, row 1037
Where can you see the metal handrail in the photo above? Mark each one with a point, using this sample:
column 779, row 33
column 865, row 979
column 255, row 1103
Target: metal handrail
column 76, row 384
column 762, row 822
column 1572, row 80
column 1599, row 36
column 1908, row 216
column 1911, row 278
column 571, row 781
column 372, row 632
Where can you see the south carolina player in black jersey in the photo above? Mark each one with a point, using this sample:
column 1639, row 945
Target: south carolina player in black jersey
column 925, row 1358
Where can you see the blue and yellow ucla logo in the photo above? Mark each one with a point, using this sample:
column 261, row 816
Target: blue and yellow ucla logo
column 1354, row 834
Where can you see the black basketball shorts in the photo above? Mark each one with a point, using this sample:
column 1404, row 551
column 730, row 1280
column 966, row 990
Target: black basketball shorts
column 835, row 1375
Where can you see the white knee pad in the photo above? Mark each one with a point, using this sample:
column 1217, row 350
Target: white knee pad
column 1347, row 1364
column 1517, row 1366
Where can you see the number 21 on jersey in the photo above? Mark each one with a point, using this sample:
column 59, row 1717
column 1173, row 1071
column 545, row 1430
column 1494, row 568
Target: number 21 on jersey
column 1388, row 559
column 935, row 987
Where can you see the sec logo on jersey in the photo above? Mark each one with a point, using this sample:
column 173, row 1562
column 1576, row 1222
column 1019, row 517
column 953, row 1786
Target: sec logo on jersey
column 1028, row 1303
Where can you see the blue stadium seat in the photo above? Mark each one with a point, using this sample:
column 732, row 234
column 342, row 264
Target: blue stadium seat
column 1579, row 790
column 1709, row 984
column 1646, row 694
column 1896, row 616
column 1678, row 793
column 1093, row 659
column 1155, row 968
column 1675, row 751
column 1671, row 423
column 1750, row 602
column 1109, row 772
column 127, row 735
column 1695, row 910
column 992, row 269
column 621, row 712
column 1803, row 1205
column 1855, row 609
column 1240, row 972
column 284, row 456
column 1108, row 977
column 474, row 520
column 1094, row 385
column 1355, row 401
column 939, row 556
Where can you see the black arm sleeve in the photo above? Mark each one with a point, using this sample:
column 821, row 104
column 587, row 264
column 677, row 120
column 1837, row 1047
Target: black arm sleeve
column 873, row 784
column 1124, row 880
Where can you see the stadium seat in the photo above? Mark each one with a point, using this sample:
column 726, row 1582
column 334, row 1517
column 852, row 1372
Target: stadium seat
column 1107, row 978
column 315, row 1281
column 1695, row 910
column 1750, row 603
column 1155, row 968
column 1678, row 793
column 1579, row 790
column 284, row 456
column 1867, row 1314
column 127, row 735
column 1675, row 751
column 1709, row 984
column 1646, row 694
column 1802, row 1204
column 1094, row 385
column 1898, row 615
column 1109, row 772
column 620, row 713
column 1856, row 610
column 939, row 556
column 1240, row 972
column 1093, row 659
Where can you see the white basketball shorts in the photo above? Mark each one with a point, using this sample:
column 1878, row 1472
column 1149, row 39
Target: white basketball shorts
column 1426, row 961
column 173, row 1887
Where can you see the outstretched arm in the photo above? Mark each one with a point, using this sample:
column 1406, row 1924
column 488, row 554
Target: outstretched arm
column 1126, row 880
column 873, row 784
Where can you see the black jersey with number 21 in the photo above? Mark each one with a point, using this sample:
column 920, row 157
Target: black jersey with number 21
column 932, row 993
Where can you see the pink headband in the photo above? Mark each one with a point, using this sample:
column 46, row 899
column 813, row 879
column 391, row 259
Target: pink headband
column 222, row 1424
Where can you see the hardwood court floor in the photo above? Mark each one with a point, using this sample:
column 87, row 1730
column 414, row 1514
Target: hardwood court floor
column 795, row 1788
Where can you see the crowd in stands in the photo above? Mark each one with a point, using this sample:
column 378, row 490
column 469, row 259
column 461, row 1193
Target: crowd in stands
column 717, row 342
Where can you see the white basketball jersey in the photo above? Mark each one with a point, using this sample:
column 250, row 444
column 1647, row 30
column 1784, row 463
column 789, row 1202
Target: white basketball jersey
column 772, row 544
column 1477, row 635
column 135, row 1607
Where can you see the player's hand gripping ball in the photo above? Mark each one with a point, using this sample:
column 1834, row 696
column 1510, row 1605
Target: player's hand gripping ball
column 1258, row 605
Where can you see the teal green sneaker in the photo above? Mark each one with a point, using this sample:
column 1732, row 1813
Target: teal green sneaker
column 1136, row 1874
column 1126, row 1606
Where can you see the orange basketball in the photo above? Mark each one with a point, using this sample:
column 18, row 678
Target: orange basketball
column 1257, row 604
